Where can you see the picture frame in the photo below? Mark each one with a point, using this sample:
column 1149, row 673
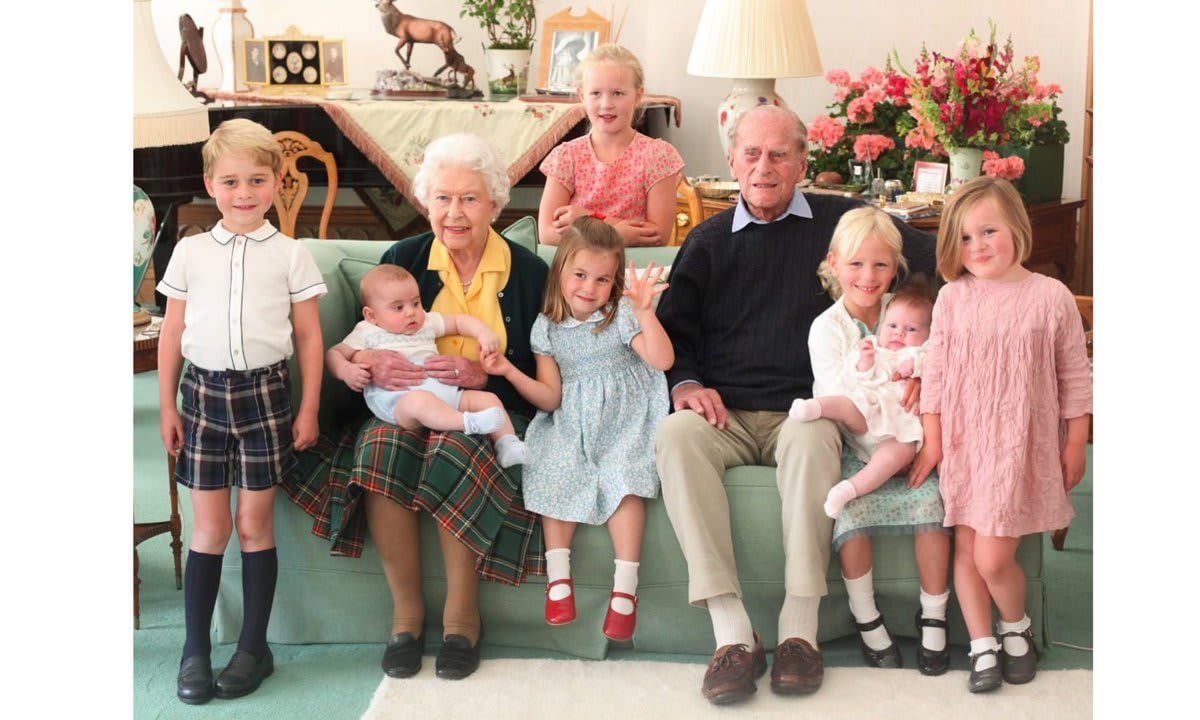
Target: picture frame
column 255, row 70
column 565, row 40
column 930, row 177
column 333, row 62
column 292, row 62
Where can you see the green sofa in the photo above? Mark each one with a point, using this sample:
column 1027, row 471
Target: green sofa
column 325, row 599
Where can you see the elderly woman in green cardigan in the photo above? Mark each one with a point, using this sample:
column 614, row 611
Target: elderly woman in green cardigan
column 386, row 475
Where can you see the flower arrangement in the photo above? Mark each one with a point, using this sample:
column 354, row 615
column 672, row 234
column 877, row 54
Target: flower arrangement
column 979, row 97
column 868, row 119
column 1008, row 168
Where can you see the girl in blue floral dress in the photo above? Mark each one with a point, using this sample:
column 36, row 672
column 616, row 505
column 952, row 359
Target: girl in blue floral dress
column 600, row 393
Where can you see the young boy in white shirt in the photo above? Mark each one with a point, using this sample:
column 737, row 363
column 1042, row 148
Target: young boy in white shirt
column 235, row 297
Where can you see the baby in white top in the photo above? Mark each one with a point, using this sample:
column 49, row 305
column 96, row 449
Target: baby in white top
column 882, row 433
column 393, row 319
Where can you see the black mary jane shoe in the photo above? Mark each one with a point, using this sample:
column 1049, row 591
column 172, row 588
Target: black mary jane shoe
column 244, row 674
column 1019, row 669
column 402, row 658
column 984, row 680
column 932, row 662
column 194, row 685
column 457, row 659
column 889, row 657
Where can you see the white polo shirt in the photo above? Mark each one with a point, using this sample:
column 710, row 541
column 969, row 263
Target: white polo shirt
column 239, row 291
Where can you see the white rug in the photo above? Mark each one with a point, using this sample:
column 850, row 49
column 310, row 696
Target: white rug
column 633, row 690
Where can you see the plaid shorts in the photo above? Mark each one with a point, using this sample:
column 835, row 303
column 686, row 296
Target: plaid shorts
column 237, row 428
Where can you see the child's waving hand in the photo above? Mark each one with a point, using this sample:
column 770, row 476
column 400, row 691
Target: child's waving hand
column 641, row 290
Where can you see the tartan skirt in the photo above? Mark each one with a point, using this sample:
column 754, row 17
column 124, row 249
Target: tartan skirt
column 452, row 476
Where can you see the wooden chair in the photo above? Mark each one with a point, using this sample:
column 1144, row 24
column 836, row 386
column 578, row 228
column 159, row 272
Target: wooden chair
column 695, row 211
column 291, row 193
column 1084, row 303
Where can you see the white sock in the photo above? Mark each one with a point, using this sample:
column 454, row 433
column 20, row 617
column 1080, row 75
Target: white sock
column 861, row 592
column 1015, row 645
column 558, row 567
column 798, row 618
column 731, row 624
column 978, row 646
column 934, row 608
column 625, row 580
column 805, row 410
column 838, row 496
column 511, row 451
column 483, row 422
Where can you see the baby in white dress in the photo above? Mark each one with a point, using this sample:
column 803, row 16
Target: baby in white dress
column 882, row 433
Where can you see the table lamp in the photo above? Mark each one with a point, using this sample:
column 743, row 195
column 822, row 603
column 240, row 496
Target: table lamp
column 168, row 127
column 753, row 42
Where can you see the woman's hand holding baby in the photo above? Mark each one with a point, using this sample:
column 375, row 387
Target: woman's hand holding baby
column 390, row 370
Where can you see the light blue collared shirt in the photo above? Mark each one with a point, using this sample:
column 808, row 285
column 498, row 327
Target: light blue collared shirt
column 798, row 207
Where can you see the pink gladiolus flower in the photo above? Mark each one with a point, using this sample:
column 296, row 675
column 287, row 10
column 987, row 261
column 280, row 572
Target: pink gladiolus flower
column 860, row 110
column 871, row 146
column 840, row 78
column 871, row 76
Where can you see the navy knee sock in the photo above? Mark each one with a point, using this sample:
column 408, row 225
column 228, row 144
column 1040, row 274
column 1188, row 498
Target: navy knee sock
column 201, row 580
column 259, row 572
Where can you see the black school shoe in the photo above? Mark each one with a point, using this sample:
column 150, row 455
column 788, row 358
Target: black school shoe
column 1019, row 669
column 457, row 659
column 984, row 680
column 244, row 674
column 889, row 657
column 932, row 662
column 194, row 685
column 402, row 658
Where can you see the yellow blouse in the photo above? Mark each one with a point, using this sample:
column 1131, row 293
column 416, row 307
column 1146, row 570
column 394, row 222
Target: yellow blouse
column 481, row 299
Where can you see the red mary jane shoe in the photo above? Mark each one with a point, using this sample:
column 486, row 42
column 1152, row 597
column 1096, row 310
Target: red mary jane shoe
column 560, row 612
column 618, row 626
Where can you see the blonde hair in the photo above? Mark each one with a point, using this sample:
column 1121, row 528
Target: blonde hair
column 377, row 276
column 973, row 192
column 851, row 232
column 616, row 54
column 586, row 233
column 242, row 137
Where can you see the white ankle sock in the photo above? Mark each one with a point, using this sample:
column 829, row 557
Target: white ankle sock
column 861, row 592
column 483, row 422
column 805, row 410
column 730, row 622
column 511, row 451
column 934, row 608
column 625, row 579
column 558, row 567
column 978, row 646
column 838, row 496
column 798, row 618
column 1015, row 645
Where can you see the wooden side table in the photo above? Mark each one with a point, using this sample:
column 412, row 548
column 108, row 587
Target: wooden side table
column 145, row 358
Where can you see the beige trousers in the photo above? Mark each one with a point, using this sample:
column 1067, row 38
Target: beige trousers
column 692, row 456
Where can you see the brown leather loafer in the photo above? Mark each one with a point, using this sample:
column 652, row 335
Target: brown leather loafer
column 797, row 668
column 731, row 672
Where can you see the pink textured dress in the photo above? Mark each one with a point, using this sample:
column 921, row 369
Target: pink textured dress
column 618, row 188
column 1005, row 366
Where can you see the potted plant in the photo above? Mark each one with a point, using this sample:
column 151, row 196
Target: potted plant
column 510, row 25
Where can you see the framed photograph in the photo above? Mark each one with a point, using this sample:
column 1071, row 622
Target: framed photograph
column 930, row 177
column 256, row 62
column 566, row 40
column 333, row 62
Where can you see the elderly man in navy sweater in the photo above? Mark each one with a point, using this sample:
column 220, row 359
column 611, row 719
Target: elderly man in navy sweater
column 744, row 291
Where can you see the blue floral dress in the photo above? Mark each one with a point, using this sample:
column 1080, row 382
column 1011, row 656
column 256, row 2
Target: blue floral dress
column 598, row 446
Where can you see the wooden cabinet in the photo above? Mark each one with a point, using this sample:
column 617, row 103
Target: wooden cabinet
column 1054, row 229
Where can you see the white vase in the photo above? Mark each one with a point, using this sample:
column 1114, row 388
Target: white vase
column 746, row 93
column 508, row 72
column 228, row 31
column 965, row 164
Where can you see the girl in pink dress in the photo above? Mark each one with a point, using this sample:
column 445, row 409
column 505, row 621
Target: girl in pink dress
column 1005, row 404
column 614, row 173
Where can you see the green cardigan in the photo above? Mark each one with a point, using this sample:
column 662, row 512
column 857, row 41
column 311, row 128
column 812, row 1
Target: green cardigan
column 520, row 303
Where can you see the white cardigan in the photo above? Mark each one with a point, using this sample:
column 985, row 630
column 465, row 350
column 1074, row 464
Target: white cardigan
column 832, row 342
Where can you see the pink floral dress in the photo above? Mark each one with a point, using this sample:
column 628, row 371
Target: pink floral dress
column 618, row 188
column 1005, row 366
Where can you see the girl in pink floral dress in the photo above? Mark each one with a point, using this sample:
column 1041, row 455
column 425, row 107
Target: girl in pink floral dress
column 613, row 173
column 1005, row 405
